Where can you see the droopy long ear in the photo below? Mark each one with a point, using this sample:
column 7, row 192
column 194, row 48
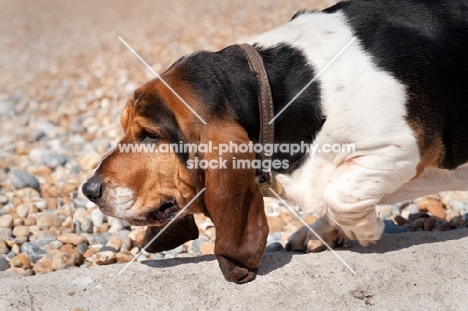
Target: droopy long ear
column 235, row 205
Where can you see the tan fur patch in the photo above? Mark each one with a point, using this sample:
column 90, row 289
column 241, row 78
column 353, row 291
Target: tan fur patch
column 431, row 151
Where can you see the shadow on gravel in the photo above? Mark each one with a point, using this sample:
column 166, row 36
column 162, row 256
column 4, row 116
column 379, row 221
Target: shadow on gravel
column 391, row 242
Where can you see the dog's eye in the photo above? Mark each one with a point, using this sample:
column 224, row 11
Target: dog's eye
column 147, row 136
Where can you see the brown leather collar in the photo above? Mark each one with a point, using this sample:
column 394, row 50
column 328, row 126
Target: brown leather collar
column 265, row 100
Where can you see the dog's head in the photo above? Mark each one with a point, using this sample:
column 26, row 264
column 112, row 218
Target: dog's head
column 146, row 181
column 136, row 181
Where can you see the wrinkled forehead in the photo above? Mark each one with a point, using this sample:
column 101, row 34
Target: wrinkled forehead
column 154, row 107
column 150, row 104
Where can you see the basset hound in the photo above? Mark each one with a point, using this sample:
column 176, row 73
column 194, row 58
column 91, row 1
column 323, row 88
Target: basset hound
column 398, row 93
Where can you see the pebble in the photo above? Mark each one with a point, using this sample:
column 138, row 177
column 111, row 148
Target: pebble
column 274, row 247
column 54, row 160
column 123, row 236
column 3, row 247
column 72, row 238
column 309, row 219
column 33, row 209
column 417, row 224
column 293, row 225
column 20, row 261
column 442, row 227
column 105, row 258
column 37, row 134
column 114, row 242
column 400, row 221
column 456, row 222
column 44, row 240
column 51, row 202
column 89, row 253
column 415, row 216
column 107, row 249
column 15, row 248
column 22, row 179
column 21, row 231
column 6, row 221
column 80, row 215
column 391, row 228
column 70, row 249
column 48, row 220
column 61, row 260
column 275, row 223
column 34, row 252
column 124, row 256
column 95, row 239
column 429, row 223
column 384, row 211
column 10, row 255
column 116, row 226
column 194, row 248
column 18, row 222
column 137, row 236
column 97, row 217
column 453, row 214
column 30, row 221
column 20, row 271
column 103, row 228
column 5, row 233
column 76, row 225
column 211, row 233
column 89, row 161
column 4, row 265
column 22, row 210
column 43, row 267
column 411, row 209
column 3, row 199
column 207, row 248
column 459, row 205
column 433, row 206
column 135, row 250
column 465, row 217
column 82, row 248
column 286, row 217
column 159, row 256
column 455, row 199
column 87, row 225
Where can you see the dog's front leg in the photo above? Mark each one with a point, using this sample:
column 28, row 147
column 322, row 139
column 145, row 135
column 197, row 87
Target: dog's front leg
column 350, row 196
column 358, row 184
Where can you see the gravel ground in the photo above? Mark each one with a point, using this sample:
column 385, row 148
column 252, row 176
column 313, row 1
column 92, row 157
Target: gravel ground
column 64, row 79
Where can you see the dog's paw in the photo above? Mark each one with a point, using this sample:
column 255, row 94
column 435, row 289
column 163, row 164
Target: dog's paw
column 306, row 240
column 366, row 232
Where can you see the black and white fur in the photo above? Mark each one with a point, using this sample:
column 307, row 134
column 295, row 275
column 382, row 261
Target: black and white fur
column 398, row 92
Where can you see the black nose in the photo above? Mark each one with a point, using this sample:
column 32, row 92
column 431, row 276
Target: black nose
column 92, row 190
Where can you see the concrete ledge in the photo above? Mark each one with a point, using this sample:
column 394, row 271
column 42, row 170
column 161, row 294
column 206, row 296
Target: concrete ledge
column 423, row 270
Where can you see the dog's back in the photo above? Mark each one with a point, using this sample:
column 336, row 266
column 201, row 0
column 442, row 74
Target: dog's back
column 424, row 45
